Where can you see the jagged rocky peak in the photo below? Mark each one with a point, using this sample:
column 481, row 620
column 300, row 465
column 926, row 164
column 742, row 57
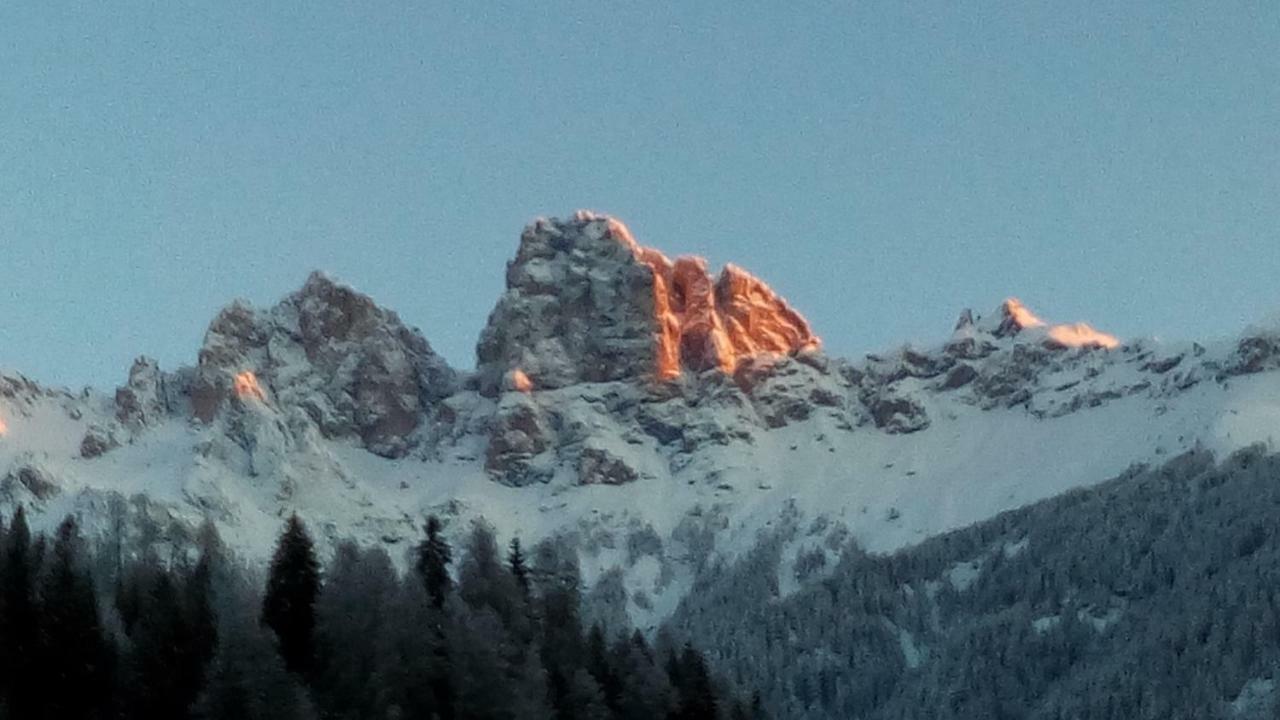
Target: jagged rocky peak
column 1013, row 319
column 350, row 365
column 143, row 400
column 586, row 303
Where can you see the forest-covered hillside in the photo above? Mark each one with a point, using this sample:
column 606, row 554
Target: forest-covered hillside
column 1154, row 595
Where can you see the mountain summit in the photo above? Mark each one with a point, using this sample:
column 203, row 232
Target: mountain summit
column 586, row 303
column 651, row 414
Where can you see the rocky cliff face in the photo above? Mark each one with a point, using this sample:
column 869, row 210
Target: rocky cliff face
column 606, row 361
column 586, row 303
column 353, row 367
column 646, row 409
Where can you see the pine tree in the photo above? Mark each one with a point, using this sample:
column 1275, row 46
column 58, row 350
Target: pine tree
column 409, row 668
column 485, row 581
column 201, row 621
column 350, row 621
column 585, row 701
column 19, row 620
column 600, row 665
column 247, row 679
column 645, row 688
column 289, row 606
column 519, row 566
column 434, row 556
column 698, row 698
column 74, row 652
column 559, row 583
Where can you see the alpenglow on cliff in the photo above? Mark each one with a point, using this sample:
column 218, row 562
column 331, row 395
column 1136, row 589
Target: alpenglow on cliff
column 650, row 413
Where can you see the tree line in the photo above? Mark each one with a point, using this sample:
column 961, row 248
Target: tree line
column 86, row 632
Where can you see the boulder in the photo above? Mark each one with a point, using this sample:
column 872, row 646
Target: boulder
column 518, row 432
column 97, row 441
column 600, row 466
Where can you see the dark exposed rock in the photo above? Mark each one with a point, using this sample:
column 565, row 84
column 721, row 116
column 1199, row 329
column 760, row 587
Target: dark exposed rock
column 597, row 466
column 29, row 478
column 920, row 365
column 897, row 415
column 1254, row 355
column 354, row 367
column 142, row 400
column 96, row 442
column 518, row 432
column 660, row 422
column 1162, row 365
column 958, row 377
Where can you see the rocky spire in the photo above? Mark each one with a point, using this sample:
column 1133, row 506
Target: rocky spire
column 586, row 303
column 351, row 365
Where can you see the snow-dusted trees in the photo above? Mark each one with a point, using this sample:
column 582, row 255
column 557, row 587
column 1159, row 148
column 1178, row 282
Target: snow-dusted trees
column 434, row 557
column 288, row 607
column 213, row 640
column 19, row 620
column 1156, row 595
column 350, row 613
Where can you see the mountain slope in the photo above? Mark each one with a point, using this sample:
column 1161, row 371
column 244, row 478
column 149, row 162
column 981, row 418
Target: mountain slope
column 1149, row 596
column 658, row 416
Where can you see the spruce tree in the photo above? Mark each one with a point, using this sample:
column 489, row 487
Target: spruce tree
column 74, row 652
column 350, row 619
column 201, row 623
column 19, row 620
column 434, row 556
column 519, row 566
column 156, row 678
column 409, row 658
column 697, row 694
column 289, row 605
column 600, row 665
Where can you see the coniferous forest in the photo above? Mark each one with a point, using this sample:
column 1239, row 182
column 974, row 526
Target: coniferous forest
column 491, row 633
column 1153, row 596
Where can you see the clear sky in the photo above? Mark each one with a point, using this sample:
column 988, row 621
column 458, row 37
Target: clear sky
column 882, row 164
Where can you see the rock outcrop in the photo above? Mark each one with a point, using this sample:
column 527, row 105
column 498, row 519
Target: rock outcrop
column 352, row 366
column 586, row 303
column 142, row 401
column 604, row 360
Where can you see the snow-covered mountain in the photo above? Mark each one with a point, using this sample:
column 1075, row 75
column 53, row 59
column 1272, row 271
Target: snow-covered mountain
column 657, row 416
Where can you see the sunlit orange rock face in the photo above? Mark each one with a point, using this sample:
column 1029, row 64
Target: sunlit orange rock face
column 520, row 382
column 585, row 302
column 705, row 322
column 1018, row 317
column 246, row 386
column 4, row 427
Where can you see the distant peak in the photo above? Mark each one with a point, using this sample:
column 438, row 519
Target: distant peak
column 1016, row 317
column 1013, row 318
column 332, row 352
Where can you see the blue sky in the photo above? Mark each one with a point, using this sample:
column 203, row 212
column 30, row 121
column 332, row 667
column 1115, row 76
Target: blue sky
column 881, row 164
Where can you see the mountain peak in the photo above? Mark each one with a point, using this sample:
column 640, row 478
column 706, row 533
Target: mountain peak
column 350, row 365
column 1015, row 318
column 585, row 302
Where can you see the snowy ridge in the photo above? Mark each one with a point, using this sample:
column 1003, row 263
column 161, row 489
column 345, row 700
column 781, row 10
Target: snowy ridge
column 353, row 422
